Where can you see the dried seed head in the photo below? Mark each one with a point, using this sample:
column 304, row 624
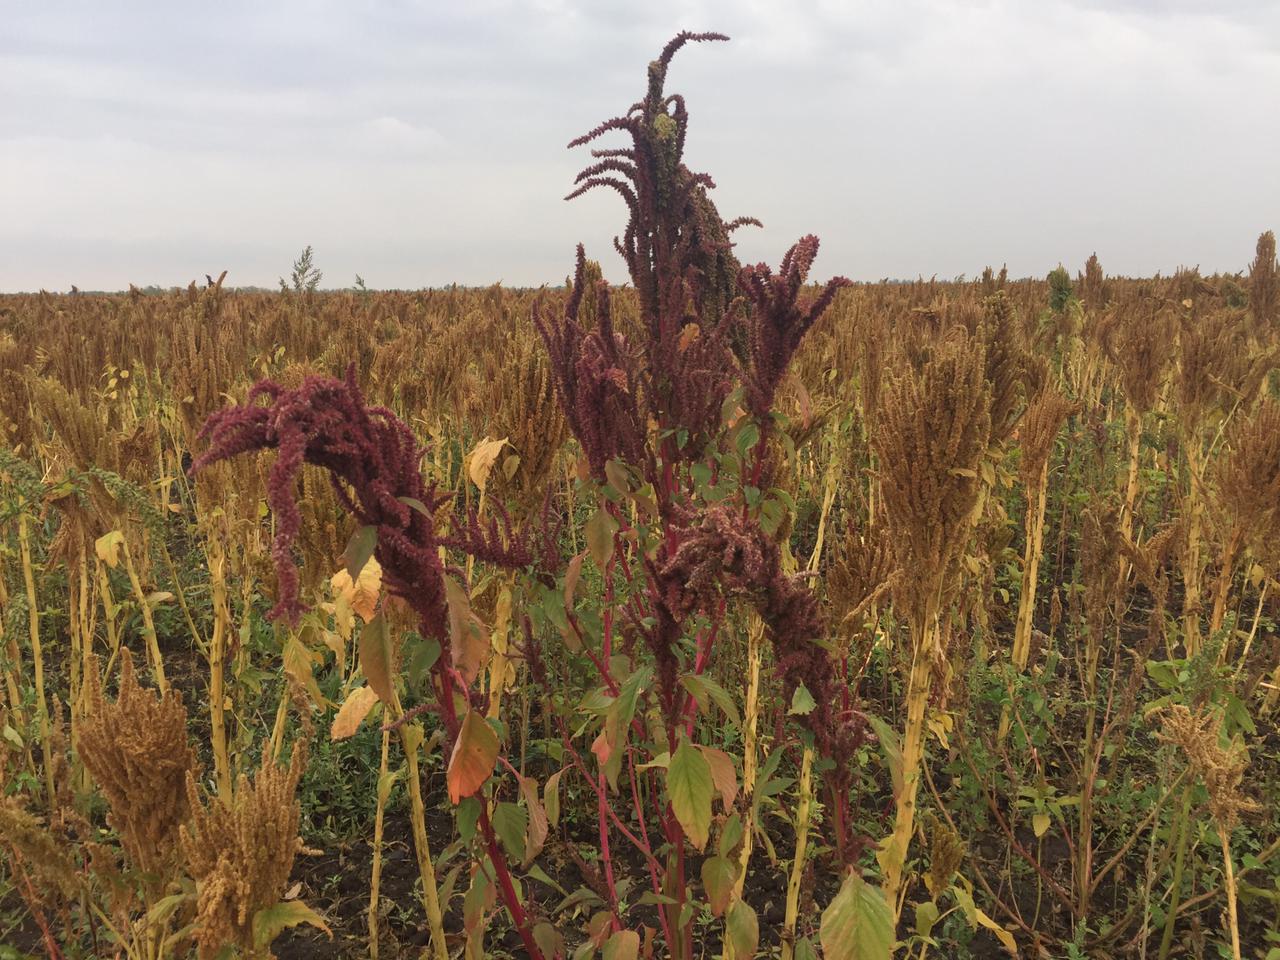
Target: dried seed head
column 1264, row 286
column 1220, row 768
column 931, row 435
column 1045, row 417
column 241, row 853
column 137, row 751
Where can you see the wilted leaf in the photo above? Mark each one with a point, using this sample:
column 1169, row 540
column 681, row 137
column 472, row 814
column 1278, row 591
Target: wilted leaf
column 107, row 547
column 718, row 875
column 687, row 336
column 269, row 922
column 551, row 797
column 376, row 658
column 599, row 533
column 353, row 710
column 548, row 939
column 977, row 918
column 623, row 945
column 537, row 834
column 298, row 663
column 469, row 639
column 361, row 594
column 723, row 774
column 481, row 460
column 474, row 754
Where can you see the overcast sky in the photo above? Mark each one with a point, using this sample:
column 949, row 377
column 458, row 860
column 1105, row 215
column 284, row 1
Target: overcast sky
column 421, row 143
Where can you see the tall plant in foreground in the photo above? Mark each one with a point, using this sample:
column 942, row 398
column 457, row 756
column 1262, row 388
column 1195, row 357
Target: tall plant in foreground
column 675, row 420
column 932, row 434
column 676, row 417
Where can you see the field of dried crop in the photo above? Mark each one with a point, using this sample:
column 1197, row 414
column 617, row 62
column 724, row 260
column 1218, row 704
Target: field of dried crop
column 720, row 614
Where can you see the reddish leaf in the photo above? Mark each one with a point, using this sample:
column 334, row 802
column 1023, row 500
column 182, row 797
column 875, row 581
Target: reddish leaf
column 474, row 754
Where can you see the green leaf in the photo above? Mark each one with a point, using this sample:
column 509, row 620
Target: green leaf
column 802, row 702
column 690, row 787
column 599, row 533
column 551, row 798
column 510, row 823
column 617, row 476
column 418, row 505
column 385, row 782
column 805, row 949
column 926, row 916
column 468, row 816
column 423, row 655
column 704, row 689
column 858, row 923
column 359, row 549
column 718, row 875
column 743, row 929
column 268, row 922
column 731, row 834
column 892, row 748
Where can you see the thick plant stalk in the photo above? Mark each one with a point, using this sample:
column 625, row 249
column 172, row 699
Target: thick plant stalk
column 1034, row 528
column 1179, row 862
column 751, row 717
column 894, row 857
column 410, row 740
column 375, row 875
column 153, row 644
column 1229, row 879
column 217, row 670
column 803, row 804
column 1191, row 558
column 15, row 658
column 37, row 653
column 1253, row 632
column 1222, row 588
column 1030, row 569
column 1133, row 428
column 806, row 764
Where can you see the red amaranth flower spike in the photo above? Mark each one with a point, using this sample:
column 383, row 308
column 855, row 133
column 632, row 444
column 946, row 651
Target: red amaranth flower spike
column 779, row 320
column 373, row 460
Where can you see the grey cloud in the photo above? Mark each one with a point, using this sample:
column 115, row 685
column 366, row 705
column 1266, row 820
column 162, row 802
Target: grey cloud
column 422, row 143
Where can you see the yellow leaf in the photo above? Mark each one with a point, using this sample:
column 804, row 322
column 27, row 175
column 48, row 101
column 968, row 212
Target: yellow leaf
column 377, row 658
column 362, row 594
column 299, row 661
column 481, row 460
column 1040, row 823
column 687, row 336
column 107, row 547
column 1003, row 935
column 353, row 710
